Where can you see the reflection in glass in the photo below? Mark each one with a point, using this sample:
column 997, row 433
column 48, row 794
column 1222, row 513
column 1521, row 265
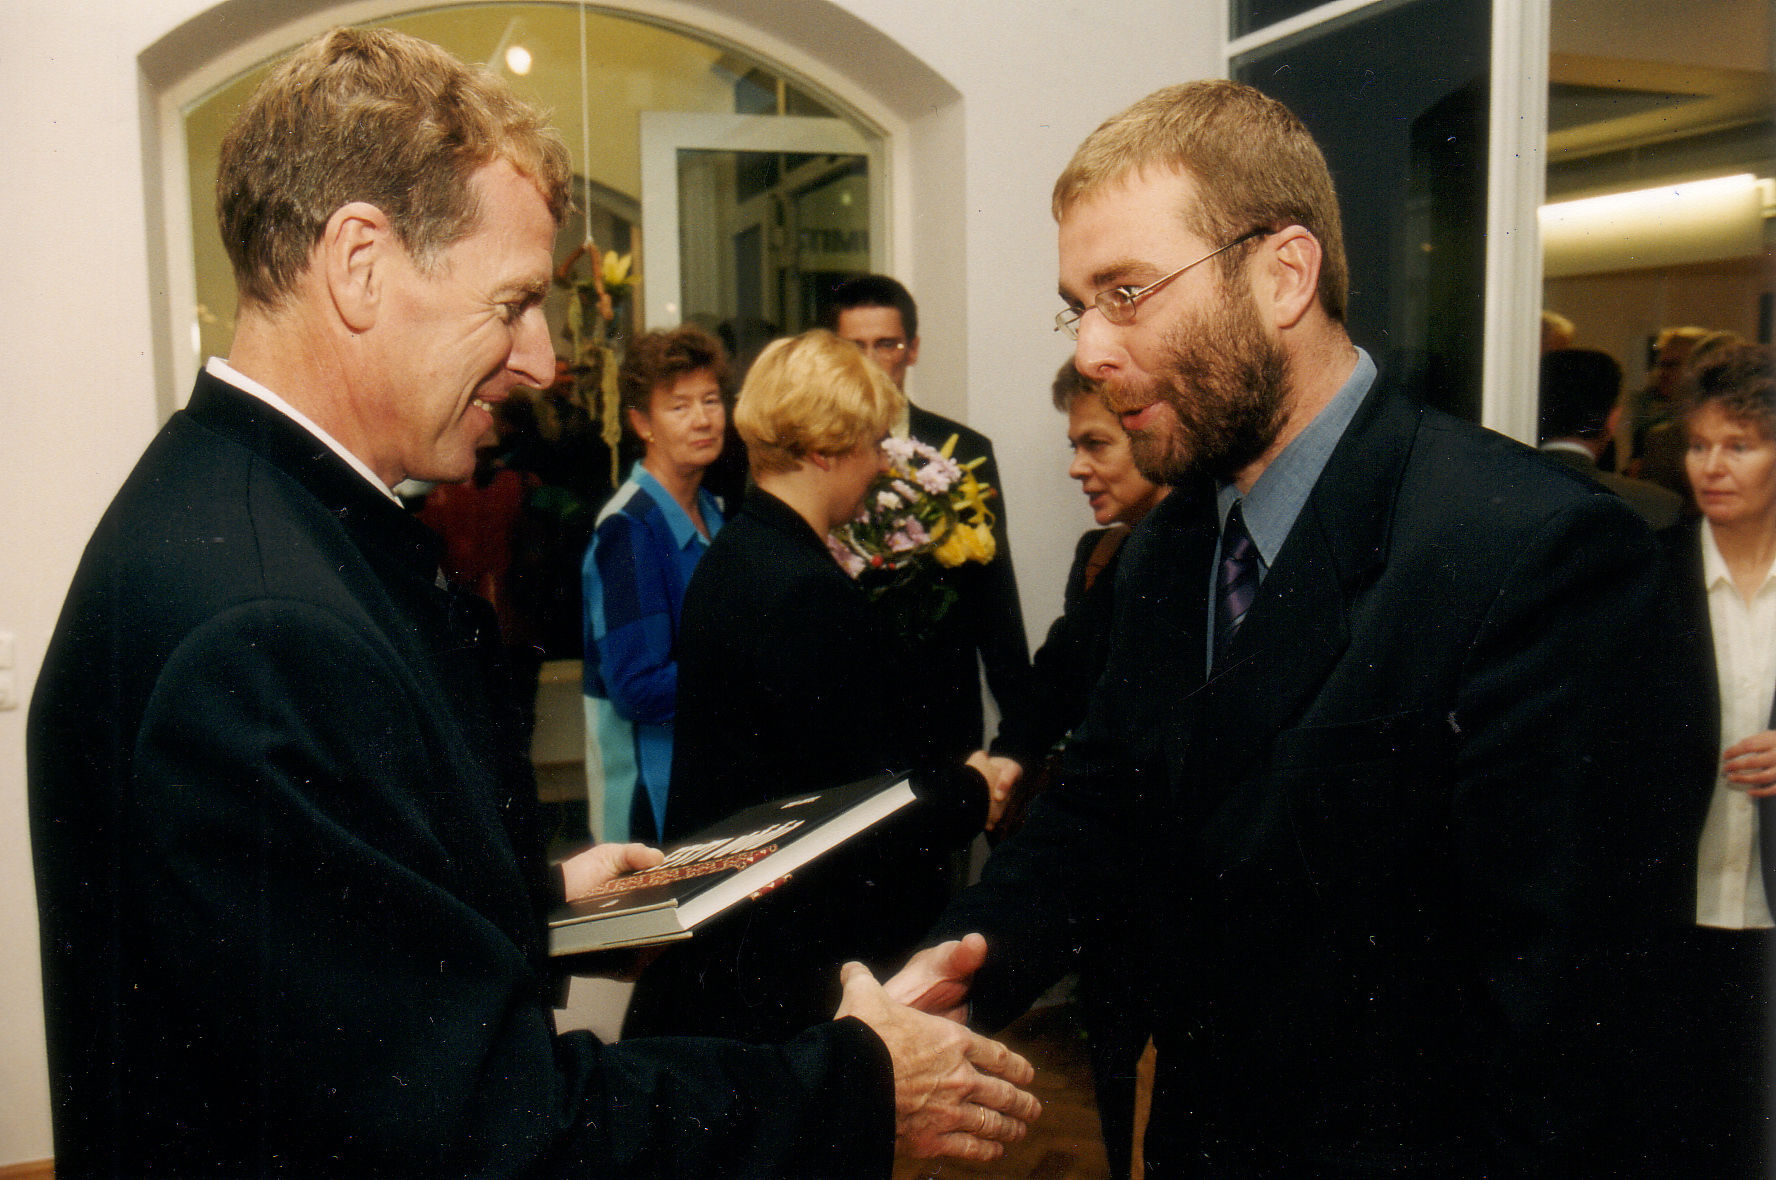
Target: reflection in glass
column 1248, row 16
column 763, row 233
column 1398, row 103
column 1661, row 150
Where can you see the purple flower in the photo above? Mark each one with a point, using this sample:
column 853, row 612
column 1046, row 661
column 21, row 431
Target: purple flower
column 850, row 561
column 939, row 475
column 900, row 451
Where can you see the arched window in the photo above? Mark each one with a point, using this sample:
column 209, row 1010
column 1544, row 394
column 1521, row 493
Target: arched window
column 767, row 186
column 710, row 185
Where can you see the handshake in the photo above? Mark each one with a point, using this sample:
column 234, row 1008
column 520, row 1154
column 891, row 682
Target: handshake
column 956, row 1093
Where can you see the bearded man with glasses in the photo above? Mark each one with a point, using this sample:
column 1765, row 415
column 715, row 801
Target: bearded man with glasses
column 1363, row 809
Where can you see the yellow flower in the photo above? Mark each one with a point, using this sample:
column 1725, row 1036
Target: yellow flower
column 970, row 496
column 981, row 546
column 616, row 270
column 966, row 542
column 954, row 549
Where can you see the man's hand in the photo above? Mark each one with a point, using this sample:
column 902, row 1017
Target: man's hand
column 936, row 979
column 1750, row 764
column 1002, row 775
column 955, row 1092
column 603, row 863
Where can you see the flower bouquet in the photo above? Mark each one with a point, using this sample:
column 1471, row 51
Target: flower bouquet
column 925, row 513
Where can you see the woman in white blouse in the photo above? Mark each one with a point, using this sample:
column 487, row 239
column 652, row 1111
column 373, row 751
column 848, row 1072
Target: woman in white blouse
column 1724, row 592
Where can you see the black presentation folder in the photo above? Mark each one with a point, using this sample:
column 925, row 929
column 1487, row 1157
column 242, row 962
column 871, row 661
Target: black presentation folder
column 741, row 857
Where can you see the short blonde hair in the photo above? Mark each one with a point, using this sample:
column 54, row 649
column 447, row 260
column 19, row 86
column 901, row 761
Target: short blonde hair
column 812, row 394
column 1254, row 164
column 376, row 116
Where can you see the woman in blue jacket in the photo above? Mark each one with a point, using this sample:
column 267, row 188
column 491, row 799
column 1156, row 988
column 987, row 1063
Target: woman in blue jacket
column 647, row 541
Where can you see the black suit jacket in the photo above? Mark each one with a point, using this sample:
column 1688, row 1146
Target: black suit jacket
column 1377, row 861
column 1659, row 506
column 986, row 619
column 1720, row 1040
column 789, row 681
column 1062, row 674
column 288, row 883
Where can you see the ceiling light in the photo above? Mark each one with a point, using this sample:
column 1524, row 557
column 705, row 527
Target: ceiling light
column 1672, row 225
column 518, row 59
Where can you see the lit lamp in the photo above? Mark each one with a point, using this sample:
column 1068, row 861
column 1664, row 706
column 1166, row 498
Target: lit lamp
column 1698, row 221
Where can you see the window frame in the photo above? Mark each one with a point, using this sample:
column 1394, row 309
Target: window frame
column 1517, row 120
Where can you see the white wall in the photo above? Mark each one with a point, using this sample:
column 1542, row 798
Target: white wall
column 976, row 243
column 1036, row 79
column 79, row 406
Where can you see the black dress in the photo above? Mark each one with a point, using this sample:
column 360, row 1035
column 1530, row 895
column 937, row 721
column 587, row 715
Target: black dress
column 788, row 681
column 1070, row 659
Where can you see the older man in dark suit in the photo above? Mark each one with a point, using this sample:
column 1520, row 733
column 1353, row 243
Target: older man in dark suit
column 290, row 895
column 1359, row 806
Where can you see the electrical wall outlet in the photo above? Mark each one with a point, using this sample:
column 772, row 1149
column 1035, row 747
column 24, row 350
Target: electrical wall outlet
column 8, row 685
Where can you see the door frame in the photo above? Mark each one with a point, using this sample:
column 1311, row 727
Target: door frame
column 664, row 134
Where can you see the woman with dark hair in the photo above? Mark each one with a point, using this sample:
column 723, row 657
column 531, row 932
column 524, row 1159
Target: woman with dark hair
column 1722, row 589
column 1072, row 656
column 648, row 539
column 790, row 681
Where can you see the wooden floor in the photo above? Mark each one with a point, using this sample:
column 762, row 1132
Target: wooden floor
column 1064, row 1144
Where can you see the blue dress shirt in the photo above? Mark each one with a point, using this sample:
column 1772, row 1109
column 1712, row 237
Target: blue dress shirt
column 1277, row 498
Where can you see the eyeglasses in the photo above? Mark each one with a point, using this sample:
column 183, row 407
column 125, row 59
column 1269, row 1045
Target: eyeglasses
column 883, row 347
column 1118, row 304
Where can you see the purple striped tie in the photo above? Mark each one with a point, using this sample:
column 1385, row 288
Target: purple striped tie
column 1236, row 581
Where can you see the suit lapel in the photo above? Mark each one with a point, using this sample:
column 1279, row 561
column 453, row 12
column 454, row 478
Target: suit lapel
column 1298, row 626
column 1697, row 624
column 1173, row 608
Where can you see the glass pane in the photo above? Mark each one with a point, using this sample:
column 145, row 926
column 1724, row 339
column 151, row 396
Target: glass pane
column 1248, row 16
column 762, row 233
column 1398, row 103
column 631, row 66
column 1668, row 114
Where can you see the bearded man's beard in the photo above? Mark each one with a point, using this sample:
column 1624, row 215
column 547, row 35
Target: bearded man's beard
column 1226, row 384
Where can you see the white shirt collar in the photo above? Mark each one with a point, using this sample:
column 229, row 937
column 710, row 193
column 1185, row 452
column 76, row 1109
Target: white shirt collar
column 223, row 371
column 1714, row 566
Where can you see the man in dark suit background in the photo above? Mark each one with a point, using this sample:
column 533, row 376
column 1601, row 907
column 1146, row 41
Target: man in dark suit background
column 1579, row 388
column 878, row 315
column 290, row 892
column 1362, row 800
